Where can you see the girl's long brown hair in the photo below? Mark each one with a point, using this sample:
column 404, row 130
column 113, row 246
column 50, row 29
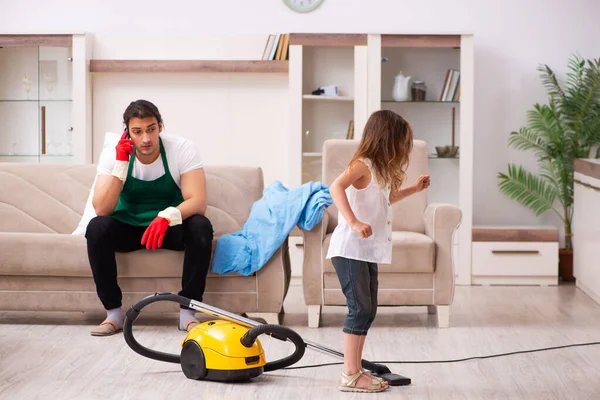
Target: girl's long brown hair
column 387, row 141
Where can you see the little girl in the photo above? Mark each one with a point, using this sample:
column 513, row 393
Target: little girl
column 363, row 194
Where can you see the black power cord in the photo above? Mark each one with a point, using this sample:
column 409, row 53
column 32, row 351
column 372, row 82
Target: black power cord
column 457, row 359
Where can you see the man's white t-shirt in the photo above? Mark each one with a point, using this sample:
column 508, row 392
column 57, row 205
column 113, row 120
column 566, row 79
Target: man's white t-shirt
column 182, row 157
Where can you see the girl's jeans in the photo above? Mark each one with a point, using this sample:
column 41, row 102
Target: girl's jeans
column 359, row 284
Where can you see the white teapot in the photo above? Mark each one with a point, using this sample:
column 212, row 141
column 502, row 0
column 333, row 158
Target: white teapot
column 401, row 88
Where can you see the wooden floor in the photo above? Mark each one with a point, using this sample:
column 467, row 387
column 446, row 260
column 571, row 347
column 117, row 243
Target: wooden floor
column 52, row 356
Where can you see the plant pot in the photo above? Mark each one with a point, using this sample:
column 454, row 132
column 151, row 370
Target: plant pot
column 446, row 151
column 565, row 265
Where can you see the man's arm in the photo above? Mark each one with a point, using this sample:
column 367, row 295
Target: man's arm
column 106, row 194
column 193, row 189
column 112, row 170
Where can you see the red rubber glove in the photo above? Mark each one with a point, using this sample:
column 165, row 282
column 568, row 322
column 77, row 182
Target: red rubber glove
column 124, row 148
column 155, row 233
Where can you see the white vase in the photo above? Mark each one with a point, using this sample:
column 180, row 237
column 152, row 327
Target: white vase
column 401, row 89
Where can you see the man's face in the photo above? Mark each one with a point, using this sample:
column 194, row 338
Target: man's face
column 144, row 133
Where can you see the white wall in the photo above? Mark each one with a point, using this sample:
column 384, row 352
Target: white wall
column 511, row 38
column 200, row 107
column 233, row 118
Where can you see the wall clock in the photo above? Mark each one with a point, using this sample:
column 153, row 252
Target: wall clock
column 303, row 6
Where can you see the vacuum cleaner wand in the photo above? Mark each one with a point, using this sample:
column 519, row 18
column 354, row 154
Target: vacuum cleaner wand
column 376, row 369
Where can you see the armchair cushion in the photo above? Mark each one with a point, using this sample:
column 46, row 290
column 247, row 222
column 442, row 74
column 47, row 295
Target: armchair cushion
column 408, row 213
column 411, row 252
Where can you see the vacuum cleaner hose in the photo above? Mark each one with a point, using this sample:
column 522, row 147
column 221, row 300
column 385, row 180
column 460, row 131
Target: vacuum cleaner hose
column 275, row 331
column 281, row 333
column 134, row 312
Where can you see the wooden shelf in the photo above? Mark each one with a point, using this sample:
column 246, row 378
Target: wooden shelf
column 326, row 98
column 259, row 66
column 312, row 154
column 435, row 156
column 35, row 155
column 339, row 40
column 330, row 40
column 36, row 40
column 422, row 102
column 451, row 41
column 589, row 167
column 514, row 234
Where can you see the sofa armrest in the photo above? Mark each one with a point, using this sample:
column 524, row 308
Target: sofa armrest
column 273, row 281
column 441, row 221
column 313, row 258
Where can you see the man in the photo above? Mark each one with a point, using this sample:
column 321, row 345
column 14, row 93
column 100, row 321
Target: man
column 150, row 192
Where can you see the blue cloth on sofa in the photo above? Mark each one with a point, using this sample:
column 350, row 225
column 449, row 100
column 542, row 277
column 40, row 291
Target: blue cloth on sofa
column 271, row 220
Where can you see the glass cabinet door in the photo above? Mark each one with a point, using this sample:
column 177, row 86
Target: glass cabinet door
column 35, row 103
column 55, row 94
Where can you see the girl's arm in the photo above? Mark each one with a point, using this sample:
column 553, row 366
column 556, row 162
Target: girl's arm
column 421, row 184
column 402, row 193
column 359, row 175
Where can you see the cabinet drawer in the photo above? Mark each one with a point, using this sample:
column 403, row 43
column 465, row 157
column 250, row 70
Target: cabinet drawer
column 515, row 258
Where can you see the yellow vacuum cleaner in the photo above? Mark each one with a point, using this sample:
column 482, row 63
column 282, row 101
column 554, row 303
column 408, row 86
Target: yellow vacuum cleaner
column 228, row 349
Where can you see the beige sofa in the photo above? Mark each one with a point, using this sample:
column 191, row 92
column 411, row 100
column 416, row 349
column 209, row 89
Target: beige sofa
column 421, row 273
column 43, row 267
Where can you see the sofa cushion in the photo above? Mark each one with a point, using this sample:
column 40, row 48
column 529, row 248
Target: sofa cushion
column 43, row 197
column 110, row 141
column 51, row 198
column 51, row 254
column 411, row 252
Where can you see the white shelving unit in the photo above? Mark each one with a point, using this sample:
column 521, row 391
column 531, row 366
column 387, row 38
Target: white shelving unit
column 431, row 119
column 427, row 58
column 317, row 61
column 364, row 67
column 45, row 98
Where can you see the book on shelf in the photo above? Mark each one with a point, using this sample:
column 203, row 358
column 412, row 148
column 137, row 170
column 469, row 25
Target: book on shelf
column 277, row 47
column 350, row 134
column 451, row 90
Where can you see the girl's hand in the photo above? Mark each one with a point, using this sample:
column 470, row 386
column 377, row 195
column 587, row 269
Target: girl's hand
column 363, row 230
column 422, row 183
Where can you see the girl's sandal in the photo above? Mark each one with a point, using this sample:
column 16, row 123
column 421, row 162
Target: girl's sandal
column 348, row 384
column 365, row 372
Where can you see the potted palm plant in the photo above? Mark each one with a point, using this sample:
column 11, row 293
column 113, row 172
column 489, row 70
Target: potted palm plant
column 566, row 128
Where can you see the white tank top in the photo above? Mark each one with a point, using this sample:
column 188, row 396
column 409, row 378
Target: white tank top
column 370, row 205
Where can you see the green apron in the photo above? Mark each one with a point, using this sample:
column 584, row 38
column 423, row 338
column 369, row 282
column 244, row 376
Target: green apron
column 141, row 201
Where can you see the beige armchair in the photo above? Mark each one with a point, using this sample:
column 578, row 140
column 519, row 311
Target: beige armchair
column 421, row 273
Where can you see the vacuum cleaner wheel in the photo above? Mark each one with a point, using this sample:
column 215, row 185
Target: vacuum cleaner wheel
column 192, row 361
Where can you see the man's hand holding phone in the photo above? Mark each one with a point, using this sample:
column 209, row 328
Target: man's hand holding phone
column 124, row 149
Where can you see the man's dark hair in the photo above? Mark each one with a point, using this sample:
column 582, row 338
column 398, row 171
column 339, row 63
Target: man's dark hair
column 141, row 109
